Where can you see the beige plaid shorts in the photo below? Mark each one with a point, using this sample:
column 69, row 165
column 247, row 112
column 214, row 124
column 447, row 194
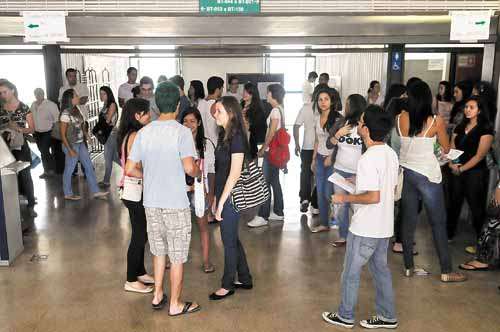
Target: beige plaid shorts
column 169, row 233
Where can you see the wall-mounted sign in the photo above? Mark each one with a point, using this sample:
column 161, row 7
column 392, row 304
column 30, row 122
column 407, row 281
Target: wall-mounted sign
column 229, row 7
column 45, row 27
column 470, row 26
column 396, row 61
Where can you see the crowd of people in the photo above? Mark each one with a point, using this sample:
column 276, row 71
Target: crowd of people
column 392, row 154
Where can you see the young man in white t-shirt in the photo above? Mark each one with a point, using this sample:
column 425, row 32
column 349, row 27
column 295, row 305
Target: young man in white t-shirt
column 125, row 90
column 372, row 225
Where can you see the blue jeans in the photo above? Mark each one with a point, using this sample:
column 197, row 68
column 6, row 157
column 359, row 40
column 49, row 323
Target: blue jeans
column 110, row 155
column 69, row 166
column 235, row 259
column 341, row 211
column 359, row 251
column 324, row 188
column 417, row 186
column 272, row 176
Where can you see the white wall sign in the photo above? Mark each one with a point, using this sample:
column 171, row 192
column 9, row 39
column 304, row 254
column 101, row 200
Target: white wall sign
column 45, row 27
column 470, row 25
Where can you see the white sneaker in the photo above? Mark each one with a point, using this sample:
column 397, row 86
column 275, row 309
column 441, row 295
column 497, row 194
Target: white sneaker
column 314, row 211
column 257, row 222
column 275, row 217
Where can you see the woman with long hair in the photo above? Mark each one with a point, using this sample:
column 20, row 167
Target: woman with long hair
column 419, row 130
column 135, row 115
column 16, row 121
column 373, row 94
column 232, row 150
column 349, row 147
column 196, row 92
column 275, row 121
column 326, row 117
column 191, row 118
column 443, row 103
column 487, row 92
column 109, row 111
column 254, row 117
column 397, row 91
column 474, row 136
column 461, row 92
column 73, row 136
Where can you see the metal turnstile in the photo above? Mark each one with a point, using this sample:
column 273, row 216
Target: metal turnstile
column 11, row 237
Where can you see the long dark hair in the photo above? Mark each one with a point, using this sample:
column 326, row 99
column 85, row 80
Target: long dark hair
column 256, row 110
column 200, row 139
column 333, row 115
column 128, row 122
column 448, row 94
column 111, row 97
column 419, row 106
column 483, row 117
column 236, row 125
column 66, row 101
column 357, row 105
column 488, row 94
column 372, row 86
column 395, row 91
column 466, row 88
column 199, row 90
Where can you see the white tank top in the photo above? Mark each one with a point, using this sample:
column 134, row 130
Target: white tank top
column 417, row 154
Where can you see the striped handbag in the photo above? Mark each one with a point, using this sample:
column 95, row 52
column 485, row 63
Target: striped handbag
column 251, row 189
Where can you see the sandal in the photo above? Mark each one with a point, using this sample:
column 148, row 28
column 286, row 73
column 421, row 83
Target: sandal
column 320, row 229
column 186, row 310
column 471, row 267
column 209, row 269
column 339, row 243
column 453, row 277
column 160, row 304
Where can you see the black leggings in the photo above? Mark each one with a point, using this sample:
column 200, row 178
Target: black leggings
column 24, row 177
column 472, row 186
column 135, row 254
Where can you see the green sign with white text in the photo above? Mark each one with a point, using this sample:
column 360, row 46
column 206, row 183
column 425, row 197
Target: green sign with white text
column 229, row 7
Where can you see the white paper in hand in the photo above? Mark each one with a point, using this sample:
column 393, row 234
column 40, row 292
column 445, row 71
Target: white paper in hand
column 454, row 154
column 340, row 181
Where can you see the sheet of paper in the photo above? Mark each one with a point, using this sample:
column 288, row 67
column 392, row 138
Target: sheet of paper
column 340, row 181
column 454, row 154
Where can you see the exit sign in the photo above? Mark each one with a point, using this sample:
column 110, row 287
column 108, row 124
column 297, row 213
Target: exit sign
column 229, row 7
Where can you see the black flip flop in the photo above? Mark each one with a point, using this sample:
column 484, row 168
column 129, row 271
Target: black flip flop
column 186, row 310
column 160, row 304
column 473, row 268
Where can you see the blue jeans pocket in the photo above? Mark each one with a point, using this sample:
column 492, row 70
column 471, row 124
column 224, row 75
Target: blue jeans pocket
column 366, row 249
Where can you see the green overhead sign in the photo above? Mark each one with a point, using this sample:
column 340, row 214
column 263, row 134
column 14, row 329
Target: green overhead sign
column 229, row 7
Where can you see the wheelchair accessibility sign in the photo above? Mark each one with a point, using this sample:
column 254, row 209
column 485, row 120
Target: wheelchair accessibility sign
column 396, row 61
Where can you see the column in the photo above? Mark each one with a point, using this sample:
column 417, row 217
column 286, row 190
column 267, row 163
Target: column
column 53, row 71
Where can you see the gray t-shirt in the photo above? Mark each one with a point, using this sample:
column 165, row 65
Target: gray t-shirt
column 161, row 146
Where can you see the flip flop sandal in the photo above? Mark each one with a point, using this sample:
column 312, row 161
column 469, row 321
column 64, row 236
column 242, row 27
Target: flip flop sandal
column 339, row 244
column 465, row 267
column 160, row 304
column 210, row 269
column 186, row 310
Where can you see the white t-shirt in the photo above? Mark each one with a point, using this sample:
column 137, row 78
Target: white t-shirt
column 377, row 171
column 274, row 115
column 306, row 118
column 236, row 95
column 349, row 151
column 307, row 91
column 322, row 137
column 211, row 133
column 82, row 91
column 44, row 115
column 125, row 91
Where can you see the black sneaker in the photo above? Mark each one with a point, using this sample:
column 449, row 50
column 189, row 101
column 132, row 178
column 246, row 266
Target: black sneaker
column 304, row 206
column 377, row 323
column 334, row 319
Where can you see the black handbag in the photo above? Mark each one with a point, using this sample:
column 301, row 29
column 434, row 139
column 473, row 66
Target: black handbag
column 102, row 129
column 251, row 189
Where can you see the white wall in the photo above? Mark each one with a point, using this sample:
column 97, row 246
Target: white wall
column 202, row 68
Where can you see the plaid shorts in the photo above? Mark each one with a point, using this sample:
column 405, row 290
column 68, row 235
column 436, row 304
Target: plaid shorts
column 169, row 233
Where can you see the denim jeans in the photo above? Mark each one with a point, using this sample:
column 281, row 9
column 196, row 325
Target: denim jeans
column 110, row 155
column 84, row 158
column 325, row 189
column 272, row 176
column 235, row 260
column 341, row 211
column 415, row 186
column 306, row 179
column 359, row 251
